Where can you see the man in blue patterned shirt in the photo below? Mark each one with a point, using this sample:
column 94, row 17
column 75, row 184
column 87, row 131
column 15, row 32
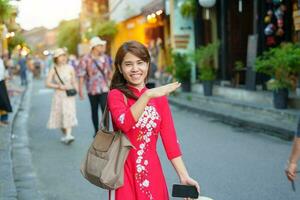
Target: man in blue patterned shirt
column 95, row 69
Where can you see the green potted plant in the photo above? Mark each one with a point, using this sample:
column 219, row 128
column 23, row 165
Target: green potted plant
column 281, row 63
column 204, row 56
column 182, row 70
column 238, row 68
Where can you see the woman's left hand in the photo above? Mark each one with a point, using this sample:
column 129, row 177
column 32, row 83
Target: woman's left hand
column 291, row 171
column 190, row 181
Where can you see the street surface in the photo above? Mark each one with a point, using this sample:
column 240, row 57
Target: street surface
column 230, row 163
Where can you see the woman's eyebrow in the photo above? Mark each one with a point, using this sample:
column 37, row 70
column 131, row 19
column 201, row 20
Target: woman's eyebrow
column 128, row 62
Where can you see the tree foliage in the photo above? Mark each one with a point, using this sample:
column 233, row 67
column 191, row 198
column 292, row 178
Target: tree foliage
column 5, row 10
column 69, row 35
column 18, row 39
column 103, row 29
column 107, row 28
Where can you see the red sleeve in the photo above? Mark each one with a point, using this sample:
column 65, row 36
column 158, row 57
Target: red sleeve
column 120, row 111
column 167, row 131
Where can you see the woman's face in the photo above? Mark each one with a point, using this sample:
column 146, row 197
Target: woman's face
column 62, row 59
column 134, row 70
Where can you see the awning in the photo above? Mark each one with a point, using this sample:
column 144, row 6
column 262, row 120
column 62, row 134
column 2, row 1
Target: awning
column 153, row 6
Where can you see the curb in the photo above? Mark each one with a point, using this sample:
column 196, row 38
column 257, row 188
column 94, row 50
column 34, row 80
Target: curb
column 268, row 129
column 8, row 189
column 25, row 178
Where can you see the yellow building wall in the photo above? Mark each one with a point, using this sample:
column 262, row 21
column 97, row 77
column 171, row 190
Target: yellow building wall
column 131, row 29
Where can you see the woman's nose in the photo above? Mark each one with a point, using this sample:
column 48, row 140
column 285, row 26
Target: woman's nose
column 134, row 67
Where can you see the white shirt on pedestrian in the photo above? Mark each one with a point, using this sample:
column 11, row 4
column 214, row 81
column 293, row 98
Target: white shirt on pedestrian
column 2, row 70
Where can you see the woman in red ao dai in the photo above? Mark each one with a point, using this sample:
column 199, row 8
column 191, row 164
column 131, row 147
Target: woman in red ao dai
column 143, row 116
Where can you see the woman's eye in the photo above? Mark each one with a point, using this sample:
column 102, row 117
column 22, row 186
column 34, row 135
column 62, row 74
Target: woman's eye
column 140, row 63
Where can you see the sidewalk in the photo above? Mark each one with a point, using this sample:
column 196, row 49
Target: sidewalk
column 254, row 114
column 7, row 186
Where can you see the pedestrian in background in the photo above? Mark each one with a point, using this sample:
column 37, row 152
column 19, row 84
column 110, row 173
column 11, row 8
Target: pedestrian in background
column 63, row 110
column 5, row 106
column 95, row 70
column 48, row 62
column 291, row 169
column 22, row 63
column 73, row 61
column 38, row 67
column 142, row 115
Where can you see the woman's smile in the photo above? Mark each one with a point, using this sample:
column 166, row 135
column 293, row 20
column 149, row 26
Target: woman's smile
column 136, row 76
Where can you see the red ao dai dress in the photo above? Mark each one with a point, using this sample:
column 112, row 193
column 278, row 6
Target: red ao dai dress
column 143, row 175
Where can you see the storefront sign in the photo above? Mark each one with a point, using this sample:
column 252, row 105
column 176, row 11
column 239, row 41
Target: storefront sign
column 182, row 41
column 296, row 16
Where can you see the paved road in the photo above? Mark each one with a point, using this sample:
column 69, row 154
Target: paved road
column 231, row 163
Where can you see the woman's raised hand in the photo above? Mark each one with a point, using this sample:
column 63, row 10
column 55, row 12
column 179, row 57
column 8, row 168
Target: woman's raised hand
column 162, row 90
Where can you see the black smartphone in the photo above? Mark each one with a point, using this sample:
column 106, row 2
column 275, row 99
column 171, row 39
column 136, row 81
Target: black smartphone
column 185, row 191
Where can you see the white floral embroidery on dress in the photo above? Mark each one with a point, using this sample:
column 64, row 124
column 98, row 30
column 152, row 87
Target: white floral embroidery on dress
column 122, row 118
column 147, row 121
column 146, row 183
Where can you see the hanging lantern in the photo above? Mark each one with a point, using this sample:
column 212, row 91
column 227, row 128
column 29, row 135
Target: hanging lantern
column 240, row 6
column 279, row 14
column 269, row 30
column 267, row 19
column 277, row 1
column 280, row 23
column 207, row 4
column 280, row 32
column 271, row 41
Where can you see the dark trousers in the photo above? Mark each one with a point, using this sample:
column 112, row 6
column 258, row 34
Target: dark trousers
column 4, row 118
column 95, row 101
column 23, row 76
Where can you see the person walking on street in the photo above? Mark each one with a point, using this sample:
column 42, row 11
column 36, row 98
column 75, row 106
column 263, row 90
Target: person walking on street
column 38, row 67
column 23, row 70
column 61, row 77
column 142, row 115
column 95, row 70
column 5, row 106
column 294, row 157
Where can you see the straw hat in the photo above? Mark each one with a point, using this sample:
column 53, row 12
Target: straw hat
column 95, row 41
column 58, row 52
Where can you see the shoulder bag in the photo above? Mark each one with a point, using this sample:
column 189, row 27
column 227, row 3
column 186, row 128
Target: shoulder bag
column 70, row 92
column 103, row 165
